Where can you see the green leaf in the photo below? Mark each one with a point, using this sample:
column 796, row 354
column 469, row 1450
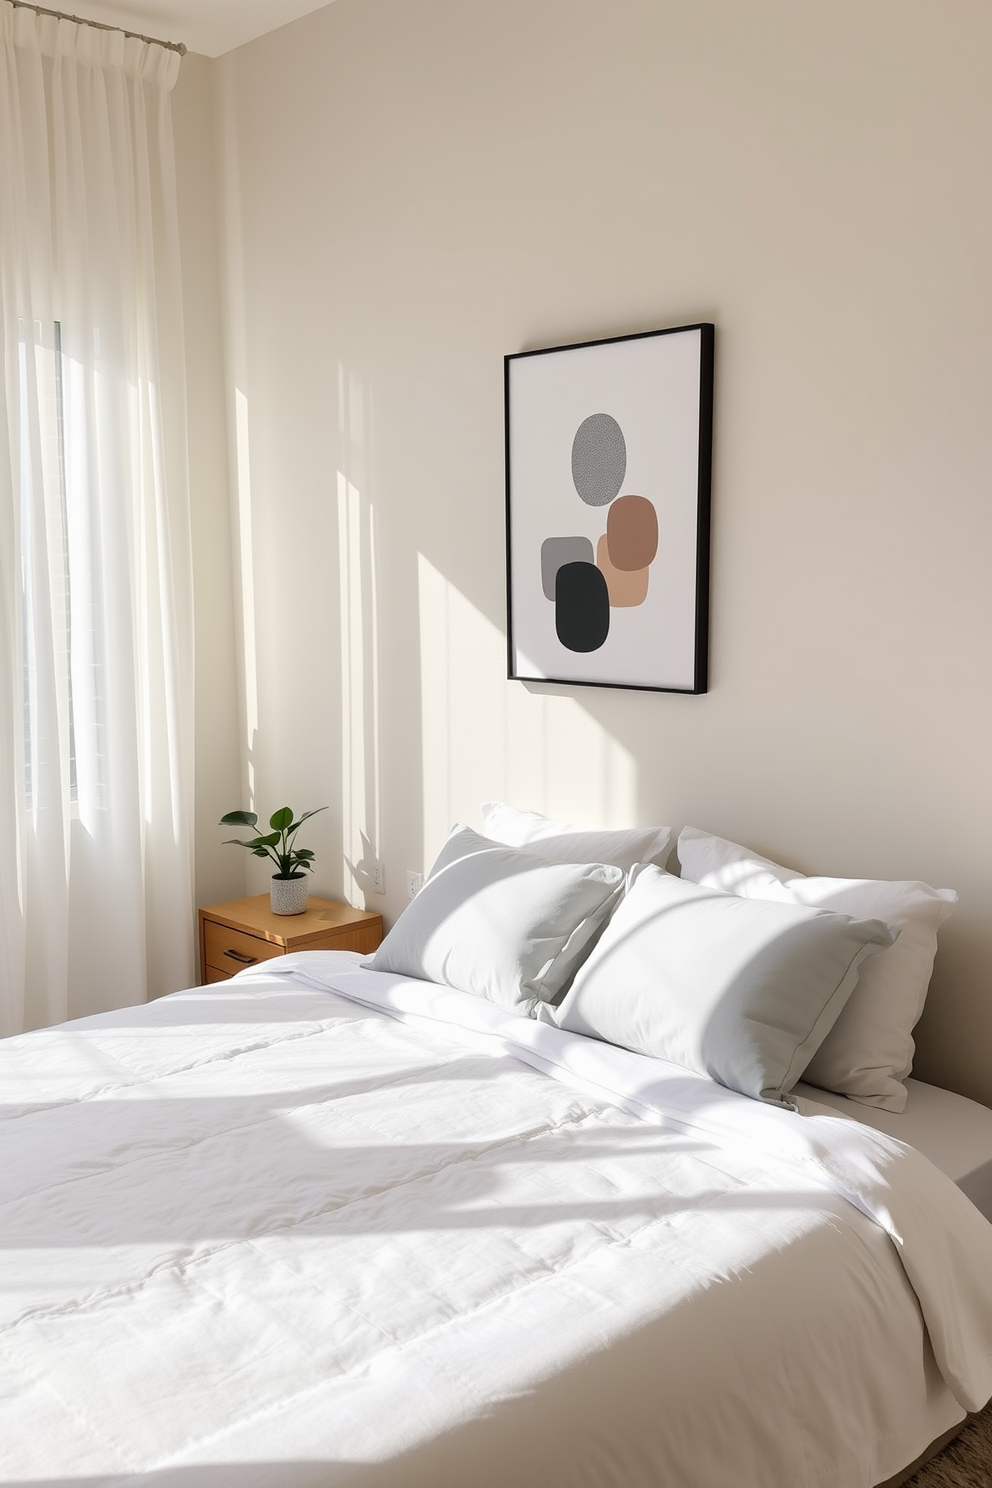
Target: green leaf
column 239, row 819
column 310, row 813
column 276, row 845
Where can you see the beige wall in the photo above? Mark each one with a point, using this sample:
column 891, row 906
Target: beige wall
column 414, row 188
column 219, row 870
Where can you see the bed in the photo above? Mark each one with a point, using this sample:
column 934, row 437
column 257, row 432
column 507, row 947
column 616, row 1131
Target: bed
column 532, row 1198
column 953, row 1132
column 325, row 1225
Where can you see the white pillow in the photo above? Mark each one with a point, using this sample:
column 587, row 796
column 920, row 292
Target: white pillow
column 501, row 924
column 743, row 992
column 562, row 842
column 869, row 1051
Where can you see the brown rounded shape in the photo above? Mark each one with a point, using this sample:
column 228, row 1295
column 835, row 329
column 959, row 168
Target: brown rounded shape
column 632, row 533
column 624, row 588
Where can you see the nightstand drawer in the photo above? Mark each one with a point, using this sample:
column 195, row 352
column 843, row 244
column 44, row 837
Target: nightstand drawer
column 213, row 975
column 229, row 950
column 244, row 932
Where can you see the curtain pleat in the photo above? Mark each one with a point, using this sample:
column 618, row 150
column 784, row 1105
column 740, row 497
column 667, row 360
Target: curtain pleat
column 96, row 652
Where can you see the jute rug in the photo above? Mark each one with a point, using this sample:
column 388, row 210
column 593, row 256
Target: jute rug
column 965, row 1463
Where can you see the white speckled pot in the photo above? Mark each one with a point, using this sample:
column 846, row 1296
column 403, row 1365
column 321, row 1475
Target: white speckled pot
column 289, row 895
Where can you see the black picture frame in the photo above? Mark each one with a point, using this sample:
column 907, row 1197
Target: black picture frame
column 609, row 454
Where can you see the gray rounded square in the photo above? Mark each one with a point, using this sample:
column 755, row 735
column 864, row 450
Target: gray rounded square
column 556, row 551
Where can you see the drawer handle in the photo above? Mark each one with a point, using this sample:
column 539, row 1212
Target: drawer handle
column 237, row 956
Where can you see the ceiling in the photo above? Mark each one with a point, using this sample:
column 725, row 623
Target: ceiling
column 207, row 26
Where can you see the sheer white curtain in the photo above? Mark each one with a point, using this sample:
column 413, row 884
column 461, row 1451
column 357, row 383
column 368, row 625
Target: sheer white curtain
column 96, row 655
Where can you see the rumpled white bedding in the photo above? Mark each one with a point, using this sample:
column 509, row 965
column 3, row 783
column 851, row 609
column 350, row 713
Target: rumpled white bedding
column 260, row 1233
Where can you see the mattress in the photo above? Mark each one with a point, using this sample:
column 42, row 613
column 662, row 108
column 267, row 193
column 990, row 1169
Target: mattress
column 317, row 1225
column 953, row 1132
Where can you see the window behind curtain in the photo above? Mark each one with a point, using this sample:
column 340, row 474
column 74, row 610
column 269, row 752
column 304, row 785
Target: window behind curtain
column 96, row 637
column 47, row 353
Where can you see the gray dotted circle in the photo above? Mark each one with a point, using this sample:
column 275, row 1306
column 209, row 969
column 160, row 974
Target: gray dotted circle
column 599, row 459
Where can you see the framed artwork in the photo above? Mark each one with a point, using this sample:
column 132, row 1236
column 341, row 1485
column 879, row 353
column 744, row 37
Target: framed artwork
column 608, row 459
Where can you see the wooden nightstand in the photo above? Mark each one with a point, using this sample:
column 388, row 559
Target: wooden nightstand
column 236, row 935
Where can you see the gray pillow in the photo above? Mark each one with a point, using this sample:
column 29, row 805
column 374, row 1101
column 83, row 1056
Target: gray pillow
column 742, row 990
column 564, row 843
column 502, row 924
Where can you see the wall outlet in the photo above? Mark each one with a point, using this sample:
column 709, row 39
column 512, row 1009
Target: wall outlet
column 414, row 883
column 378, row 877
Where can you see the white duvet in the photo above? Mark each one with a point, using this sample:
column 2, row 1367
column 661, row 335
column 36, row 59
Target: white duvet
column 266, row 1233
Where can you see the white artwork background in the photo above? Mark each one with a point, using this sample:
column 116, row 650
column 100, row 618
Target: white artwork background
column 651, row 388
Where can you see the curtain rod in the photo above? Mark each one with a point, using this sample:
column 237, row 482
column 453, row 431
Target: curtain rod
column 61, row 15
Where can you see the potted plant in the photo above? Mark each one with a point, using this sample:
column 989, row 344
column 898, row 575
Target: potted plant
column 289, row 882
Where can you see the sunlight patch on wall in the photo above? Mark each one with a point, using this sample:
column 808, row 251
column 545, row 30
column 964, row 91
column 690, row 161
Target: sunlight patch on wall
column 360, row 802
column 247, row 586
column 485, row 737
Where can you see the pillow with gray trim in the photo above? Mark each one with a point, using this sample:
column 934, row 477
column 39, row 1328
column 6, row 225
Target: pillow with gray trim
column 563, row 842
column 501, row 924
column 744, row 991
